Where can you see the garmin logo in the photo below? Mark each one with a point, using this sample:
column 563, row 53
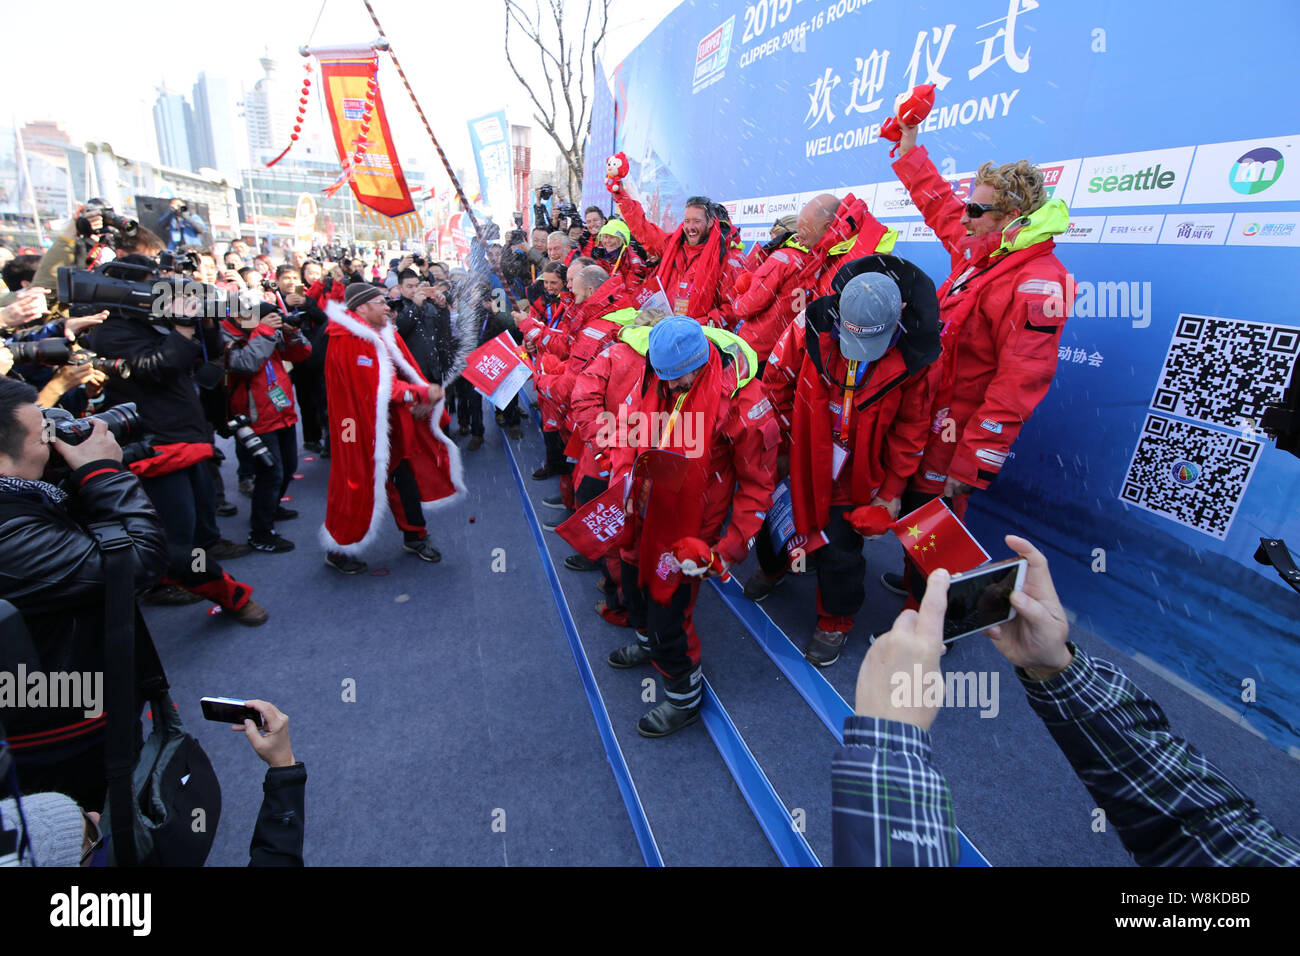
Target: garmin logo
column 76, row 909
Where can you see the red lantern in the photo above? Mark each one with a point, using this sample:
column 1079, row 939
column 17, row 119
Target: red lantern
column 303, row 101
column 297, row 128
column 293, row 137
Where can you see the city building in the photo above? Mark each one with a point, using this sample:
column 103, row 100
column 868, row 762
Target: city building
column 173, row 122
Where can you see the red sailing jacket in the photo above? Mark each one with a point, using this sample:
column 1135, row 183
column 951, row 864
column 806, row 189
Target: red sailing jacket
column 888, row 428
column 256, row 362
column 741, row 469
column 1002, row 316
column 598, row 390
column 770, row 303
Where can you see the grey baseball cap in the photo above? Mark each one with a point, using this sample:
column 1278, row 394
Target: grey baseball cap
column 870, row 309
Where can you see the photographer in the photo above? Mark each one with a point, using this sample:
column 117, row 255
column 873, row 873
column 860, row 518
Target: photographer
column 52, row 570
column 260, row 388
column 306, row 313
column 423, row 320
column 179, row 227
column 162, row 352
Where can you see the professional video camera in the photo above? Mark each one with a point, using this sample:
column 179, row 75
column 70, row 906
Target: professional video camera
column 135, row 289
column 56, row 352
column 123, row 423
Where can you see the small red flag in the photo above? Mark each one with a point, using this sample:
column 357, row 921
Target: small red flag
column 599, row 526
column 934, row 537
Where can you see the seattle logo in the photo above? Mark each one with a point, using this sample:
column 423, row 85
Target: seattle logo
column 1256, row 170
column 1185, row 473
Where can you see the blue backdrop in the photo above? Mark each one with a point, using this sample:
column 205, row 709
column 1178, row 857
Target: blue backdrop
column 1169, row 130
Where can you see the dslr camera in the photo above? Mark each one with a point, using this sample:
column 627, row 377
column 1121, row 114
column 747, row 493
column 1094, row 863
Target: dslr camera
column 123, row 423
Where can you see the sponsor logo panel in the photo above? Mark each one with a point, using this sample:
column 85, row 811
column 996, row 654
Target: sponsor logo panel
column 1207, row 229
column 1265, row 229
column 1083, row 229
column 1249, row 170
column 1133, row 229
column 711, row 55
column 1154, row 177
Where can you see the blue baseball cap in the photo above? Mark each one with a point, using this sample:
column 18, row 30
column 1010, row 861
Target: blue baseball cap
column 678, row 346
column 870, row 309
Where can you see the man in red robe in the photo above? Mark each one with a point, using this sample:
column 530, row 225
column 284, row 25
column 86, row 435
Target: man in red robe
column 385, row 430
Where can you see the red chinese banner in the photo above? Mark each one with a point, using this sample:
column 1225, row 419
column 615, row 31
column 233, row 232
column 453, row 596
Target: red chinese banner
column 362, row 136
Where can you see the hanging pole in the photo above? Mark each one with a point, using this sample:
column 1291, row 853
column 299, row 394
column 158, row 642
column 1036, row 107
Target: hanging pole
column 469, row 211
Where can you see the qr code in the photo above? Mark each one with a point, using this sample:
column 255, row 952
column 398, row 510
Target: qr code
column 1190, row 474
column 1224, row 371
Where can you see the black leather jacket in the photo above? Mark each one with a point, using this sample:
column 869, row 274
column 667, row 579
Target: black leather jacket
column 52, row 571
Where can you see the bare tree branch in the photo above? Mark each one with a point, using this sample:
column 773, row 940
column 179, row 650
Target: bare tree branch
column 566, row 119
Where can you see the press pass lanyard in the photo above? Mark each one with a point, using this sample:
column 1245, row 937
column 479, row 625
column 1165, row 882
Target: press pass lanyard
column 672, row 420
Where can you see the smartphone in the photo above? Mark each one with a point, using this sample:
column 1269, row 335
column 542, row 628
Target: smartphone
column 228, row 710
column 980, row 598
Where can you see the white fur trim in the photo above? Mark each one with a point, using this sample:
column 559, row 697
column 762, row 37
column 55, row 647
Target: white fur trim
column 338, row 314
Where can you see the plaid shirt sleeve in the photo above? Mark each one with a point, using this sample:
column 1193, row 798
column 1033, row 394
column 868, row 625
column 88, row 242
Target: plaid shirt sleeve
column 890, row 806
column 1170, row 806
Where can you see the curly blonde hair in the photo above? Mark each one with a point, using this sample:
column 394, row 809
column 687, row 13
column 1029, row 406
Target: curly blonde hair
column 1017, row 185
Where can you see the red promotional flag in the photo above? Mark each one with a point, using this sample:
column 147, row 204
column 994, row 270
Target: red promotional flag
column 597, row 527
column 496, row 370
column 934, row 537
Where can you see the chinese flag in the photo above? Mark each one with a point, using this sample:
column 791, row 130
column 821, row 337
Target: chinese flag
column 934, row 537
column 599, row 526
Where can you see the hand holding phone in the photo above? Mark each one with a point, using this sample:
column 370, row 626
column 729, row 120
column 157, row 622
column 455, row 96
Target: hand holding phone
column 1036, row 641
column 229, row 710
column 981, row 598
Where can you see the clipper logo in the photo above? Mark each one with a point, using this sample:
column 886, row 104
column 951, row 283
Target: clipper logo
column 1185, row 473
column 711, row 56
column 1255, row 171
column 353, row 109
column 994, row 427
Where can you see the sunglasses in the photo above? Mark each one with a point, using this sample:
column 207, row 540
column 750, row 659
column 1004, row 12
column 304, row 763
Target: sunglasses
column 976, row 209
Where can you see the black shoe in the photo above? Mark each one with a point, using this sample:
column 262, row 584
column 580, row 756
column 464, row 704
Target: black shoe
column 634, row 655
column 346, row 563
column 546, row 471
column 312, row 446
column 577, row 562
column 325, row 452
column 285, row 514
column 475, row 443
column 169, row 595
column 423, row 549
column 225, row 550
column 667, row 719
column 894, row 582
column 550, row 524
column 226, row 510
column 555, row 501
column 824, row 647
column 759, row 585
column 515, row 432
column 269, row 543
column 501, row 418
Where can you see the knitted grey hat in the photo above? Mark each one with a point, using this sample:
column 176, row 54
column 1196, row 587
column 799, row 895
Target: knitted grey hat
column 358, row 294
column 54, row 826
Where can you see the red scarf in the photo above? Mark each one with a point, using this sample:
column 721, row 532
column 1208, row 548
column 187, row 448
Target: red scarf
column 669, row 506
column 675, row 263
